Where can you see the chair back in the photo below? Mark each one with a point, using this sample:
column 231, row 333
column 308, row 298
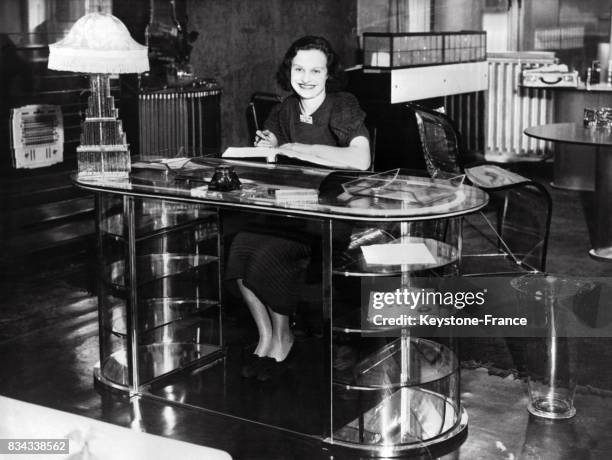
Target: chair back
column 258, row 110
column 439, row 142
column 516, row 223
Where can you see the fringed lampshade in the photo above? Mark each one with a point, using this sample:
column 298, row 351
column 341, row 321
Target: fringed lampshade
column 98, row 43
column 101, row 45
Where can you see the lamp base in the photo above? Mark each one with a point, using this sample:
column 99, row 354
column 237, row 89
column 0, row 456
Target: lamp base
column 107, row 160
column 103, row 150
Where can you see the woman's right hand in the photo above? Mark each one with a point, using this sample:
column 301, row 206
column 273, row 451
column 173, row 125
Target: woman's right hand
column 265, row 138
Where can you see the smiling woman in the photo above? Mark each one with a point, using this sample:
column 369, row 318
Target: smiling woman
column 317, row 120
column 318, row 124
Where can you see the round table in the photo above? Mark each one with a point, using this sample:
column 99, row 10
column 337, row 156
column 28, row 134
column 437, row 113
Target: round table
column 576, row 133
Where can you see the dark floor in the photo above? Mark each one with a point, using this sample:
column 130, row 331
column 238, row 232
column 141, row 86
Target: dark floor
column 49, row 345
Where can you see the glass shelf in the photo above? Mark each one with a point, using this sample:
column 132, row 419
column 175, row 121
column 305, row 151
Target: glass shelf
column 155, row 359
column 352, row 263
column 154, row 267
column 158, row 312
column 151, row 226
column 409, row 418
column 405, row 394
column 429, row 362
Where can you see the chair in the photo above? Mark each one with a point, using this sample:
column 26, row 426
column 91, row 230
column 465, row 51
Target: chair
column 258, row 110
column 520, row 207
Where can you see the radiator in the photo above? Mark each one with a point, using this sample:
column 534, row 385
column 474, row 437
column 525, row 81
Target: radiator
column 511, row 109
column 493, row 121
column 179, row 122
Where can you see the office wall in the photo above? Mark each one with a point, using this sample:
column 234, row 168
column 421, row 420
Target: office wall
column 242, row 41
column 452, row 15
column 10, row 16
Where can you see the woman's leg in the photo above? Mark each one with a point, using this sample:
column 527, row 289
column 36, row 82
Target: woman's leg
column 282, row 337
column 262, row 319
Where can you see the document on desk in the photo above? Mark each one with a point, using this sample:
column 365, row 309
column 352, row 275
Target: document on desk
column 267, row 154
column 274, row 155
column 397, row 254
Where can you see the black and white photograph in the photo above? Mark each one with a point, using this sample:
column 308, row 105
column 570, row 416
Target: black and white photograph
column 306, row 229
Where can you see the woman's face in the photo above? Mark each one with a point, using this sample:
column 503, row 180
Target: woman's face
column 309, row 73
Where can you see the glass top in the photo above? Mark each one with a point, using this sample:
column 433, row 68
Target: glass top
column 297, row 190
column 571, row 133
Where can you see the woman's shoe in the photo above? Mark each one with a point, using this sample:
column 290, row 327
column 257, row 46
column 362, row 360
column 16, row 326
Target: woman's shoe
column 267, row 369
column 271, row 370
column 251, row 366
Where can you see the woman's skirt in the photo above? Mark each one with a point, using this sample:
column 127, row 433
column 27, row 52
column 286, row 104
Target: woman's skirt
column 273, row 267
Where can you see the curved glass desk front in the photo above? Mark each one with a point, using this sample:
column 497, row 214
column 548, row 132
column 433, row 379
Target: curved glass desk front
column 161, row 235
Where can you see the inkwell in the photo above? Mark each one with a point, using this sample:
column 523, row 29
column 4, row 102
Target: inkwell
column 224, row 179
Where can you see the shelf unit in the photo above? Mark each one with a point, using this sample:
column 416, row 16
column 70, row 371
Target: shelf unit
column 391, row 388
column 161, row 271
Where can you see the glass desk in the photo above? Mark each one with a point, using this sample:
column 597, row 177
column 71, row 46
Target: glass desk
column 164, row 329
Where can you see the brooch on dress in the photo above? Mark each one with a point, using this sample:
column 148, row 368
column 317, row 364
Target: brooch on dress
column 305, row 118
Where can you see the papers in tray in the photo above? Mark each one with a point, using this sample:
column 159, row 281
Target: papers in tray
column 266, row 193
column 397, row 254
column 297, row 194
column 415, row 191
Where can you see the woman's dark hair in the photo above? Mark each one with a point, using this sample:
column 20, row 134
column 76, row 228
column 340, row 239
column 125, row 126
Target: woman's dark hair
column 335, row 73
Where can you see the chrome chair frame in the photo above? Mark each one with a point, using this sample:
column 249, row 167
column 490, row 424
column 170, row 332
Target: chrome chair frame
column 447, row 162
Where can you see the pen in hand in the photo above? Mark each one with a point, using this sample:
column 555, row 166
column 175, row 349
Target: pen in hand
column 263, row 138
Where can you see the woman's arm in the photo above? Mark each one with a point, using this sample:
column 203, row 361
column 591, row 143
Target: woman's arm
column 355, row 156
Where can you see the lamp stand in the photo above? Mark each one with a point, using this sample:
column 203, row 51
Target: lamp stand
column 103, row 150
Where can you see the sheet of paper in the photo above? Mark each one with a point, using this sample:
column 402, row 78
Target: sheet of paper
column 174, row 161
column 397, row 254
column 250, row 152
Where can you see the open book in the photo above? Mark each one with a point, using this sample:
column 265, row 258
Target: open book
column 274, row 155
column 252, row 152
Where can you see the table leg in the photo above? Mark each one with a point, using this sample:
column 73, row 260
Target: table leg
column 132, row 306
column 574, row 167
column 602, row 245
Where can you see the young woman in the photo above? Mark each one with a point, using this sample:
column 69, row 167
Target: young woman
column 319, row 124
column 324, row 125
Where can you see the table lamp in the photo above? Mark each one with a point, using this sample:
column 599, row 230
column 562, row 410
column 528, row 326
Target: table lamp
column 100, row 44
